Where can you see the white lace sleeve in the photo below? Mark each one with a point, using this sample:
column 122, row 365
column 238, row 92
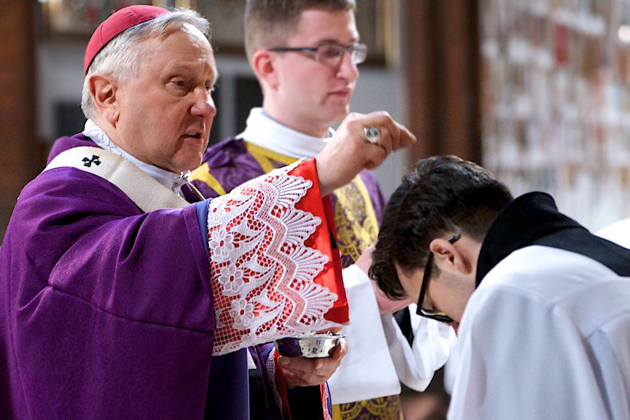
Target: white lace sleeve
column 261, row 271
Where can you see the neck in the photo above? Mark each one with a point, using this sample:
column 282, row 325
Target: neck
column 294, row 122
column 471, row 252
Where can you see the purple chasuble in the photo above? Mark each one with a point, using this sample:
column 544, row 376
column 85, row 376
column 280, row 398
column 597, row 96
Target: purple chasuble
column 106, row 312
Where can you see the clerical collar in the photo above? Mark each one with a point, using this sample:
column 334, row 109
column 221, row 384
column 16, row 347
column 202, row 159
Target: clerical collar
column 264, row 131
column 523, row 222
column 170, row 180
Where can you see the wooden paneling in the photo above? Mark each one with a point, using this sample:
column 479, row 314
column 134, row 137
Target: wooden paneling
column 443, row 77
column 21, row 156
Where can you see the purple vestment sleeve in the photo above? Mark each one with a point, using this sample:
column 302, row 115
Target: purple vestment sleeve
column 202, row 219
column 228, row 376
column 120, row 260
column 105, row 311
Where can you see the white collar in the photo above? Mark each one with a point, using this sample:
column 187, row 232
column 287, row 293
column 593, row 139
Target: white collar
column 264, row 131
column 170, row 180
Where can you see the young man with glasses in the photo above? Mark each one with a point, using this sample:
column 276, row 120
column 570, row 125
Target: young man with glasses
column 305, row 55
column 540, row 304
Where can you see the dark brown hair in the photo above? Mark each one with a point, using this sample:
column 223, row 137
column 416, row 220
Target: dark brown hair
column 443, row 195
column 269, row 23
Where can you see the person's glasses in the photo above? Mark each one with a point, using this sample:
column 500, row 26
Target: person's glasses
column 331, row 54
column 438, row 316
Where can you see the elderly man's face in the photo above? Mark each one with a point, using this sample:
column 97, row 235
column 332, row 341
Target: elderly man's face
column 165, row 113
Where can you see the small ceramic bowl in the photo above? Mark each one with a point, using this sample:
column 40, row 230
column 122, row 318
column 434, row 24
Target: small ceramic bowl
column 311, row 346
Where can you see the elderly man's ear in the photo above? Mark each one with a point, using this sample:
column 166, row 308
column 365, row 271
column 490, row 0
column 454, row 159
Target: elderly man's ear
column 104, row 90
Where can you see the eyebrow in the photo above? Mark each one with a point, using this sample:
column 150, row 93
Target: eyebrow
column 335, row 41
column 187, row 69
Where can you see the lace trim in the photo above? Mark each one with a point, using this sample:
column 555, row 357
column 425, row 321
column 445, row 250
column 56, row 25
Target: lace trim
column 262, row 273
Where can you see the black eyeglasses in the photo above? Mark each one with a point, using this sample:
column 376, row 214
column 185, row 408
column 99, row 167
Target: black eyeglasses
column 438, row 316
column 331, row 53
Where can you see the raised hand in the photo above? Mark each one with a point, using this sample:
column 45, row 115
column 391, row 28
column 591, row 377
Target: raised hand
column 350, row 151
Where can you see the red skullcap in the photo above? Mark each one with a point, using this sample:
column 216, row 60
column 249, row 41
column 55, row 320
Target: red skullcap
column 114, row 25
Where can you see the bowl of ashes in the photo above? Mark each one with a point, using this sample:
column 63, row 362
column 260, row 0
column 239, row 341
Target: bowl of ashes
column 311, row 346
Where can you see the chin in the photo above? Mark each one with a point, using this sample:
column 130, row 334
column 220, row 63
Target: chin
column 186, row 166
column 190, row 161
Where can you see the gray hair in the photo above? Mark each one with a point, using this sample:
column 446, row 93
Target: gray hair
column 121, row 58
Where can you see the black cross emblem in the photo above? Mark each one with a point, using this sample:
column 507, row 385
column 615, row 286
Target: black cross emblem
column 88, row 162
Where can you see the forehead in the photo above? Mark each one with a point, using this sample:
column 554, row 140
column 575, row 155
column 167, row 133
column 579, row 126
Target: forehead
column 184, row 45
column 318, row 26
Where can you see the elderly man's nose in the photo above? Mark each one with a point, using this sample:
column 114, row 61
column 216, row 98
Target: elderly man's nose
column 204, row 104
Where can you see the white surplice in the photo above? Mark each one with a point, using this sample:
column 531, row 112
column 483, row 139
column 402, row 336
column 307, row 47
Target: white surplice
column 546, row 335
